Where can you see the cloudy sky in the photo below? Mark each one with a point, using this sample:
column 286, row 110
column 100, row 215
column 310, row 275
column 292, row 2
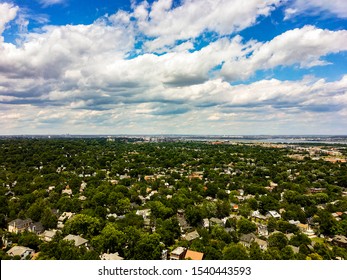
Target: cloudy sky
column 173, row 67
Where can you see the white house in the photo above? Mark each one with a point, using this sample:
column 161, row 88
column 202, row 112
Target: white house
column 21, row 251
column 19, row 225
column 48, row 235
column 274, row 214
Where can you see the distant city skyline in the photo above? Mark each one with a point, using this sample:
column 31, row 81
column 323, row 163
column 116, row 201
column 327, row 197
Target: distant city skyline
column 193, row 67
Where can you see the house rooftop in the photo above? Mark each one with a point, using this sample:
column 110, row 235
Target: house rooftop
column 191, row 235
column 260, row 242
column 274, row 214
column 143, row 212
column 18, row 250
column 216, row 221
column 66, row 215
column 19, row 223
column 294, row 222
column 256, row 214
column 113, row 257
column 49, row 233
column 193, row 255
column 37, row 227
column 248, row 238
column 295, row 249
column 340, row 238
column 77, row 239
column 178, row 251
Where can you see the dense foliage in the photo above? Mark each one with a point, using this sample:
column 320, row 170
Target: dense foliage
column 202, row 179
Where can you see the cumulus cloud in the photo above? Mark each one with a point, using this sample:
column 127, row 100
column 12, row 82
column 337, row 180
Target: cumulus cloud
column 71, row 66
column 336, row 7
column 8, row 12
column 96, row 76
column 166, row 25
column 290, row 104
column 303, row 46
column 58, row 49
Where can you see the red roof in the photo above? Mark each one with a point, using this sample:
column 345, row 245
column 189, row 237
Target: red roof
column 193, row 255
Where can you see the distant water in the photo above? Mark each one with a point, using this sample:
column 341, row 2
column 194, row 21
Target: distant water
column 291, row 141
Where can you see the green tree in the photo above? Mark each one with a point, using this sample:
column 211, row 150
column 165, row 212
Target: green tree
column 130, row 219
column 111, row 239
column 193, row 215
column 64, row 250
column 253, row 203
column 231, row 223
column 327, row 224
column 223, row 209
column 271, row 224
column 218, row 233
column 48, row 219
column 168, row 230
column 235, row 252
column 246, row 226
column 255, row 253
column 132, row 235
column 314, row 256
column 272, row 253
column 286, row 227
column 268, row 203
column 300, row 239
column 209, row 209
column 36, row 210
column 29, row 239
column 159, row 210
column 287, row 253
column 123, row 206
column 278, row 240
column 148, row 247
column 82, row 224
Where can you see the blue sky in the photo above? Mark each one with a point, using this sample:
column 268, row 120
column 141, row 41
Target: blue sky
column 180, row 67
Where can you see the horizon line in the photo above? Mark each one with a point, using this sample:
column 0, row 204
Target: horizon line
column 178, row 134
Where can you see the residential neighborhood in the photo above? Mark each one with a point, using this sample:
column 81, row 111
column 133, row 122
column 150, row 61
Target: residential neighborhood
column 133, row 198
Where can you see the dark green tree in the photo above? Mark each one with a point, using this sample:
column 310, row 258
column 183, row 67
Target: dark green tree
column 148, row 247
column 278, row 240
column 111, row 239
column 235, row 252
column 246, row 226
column 48, row 219
column 82, row 224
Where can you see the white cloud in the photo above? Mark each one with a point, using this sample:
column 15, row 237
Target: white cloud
column 335, row 7
column 47, row 3
column 86, row 77
column 267, row 106
column 8, row 12
column 77, row 52
column 59, row 49
column 221, row 116
column 193, row 17
column 305, row 46
column 289, row 13
column 74, row 67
